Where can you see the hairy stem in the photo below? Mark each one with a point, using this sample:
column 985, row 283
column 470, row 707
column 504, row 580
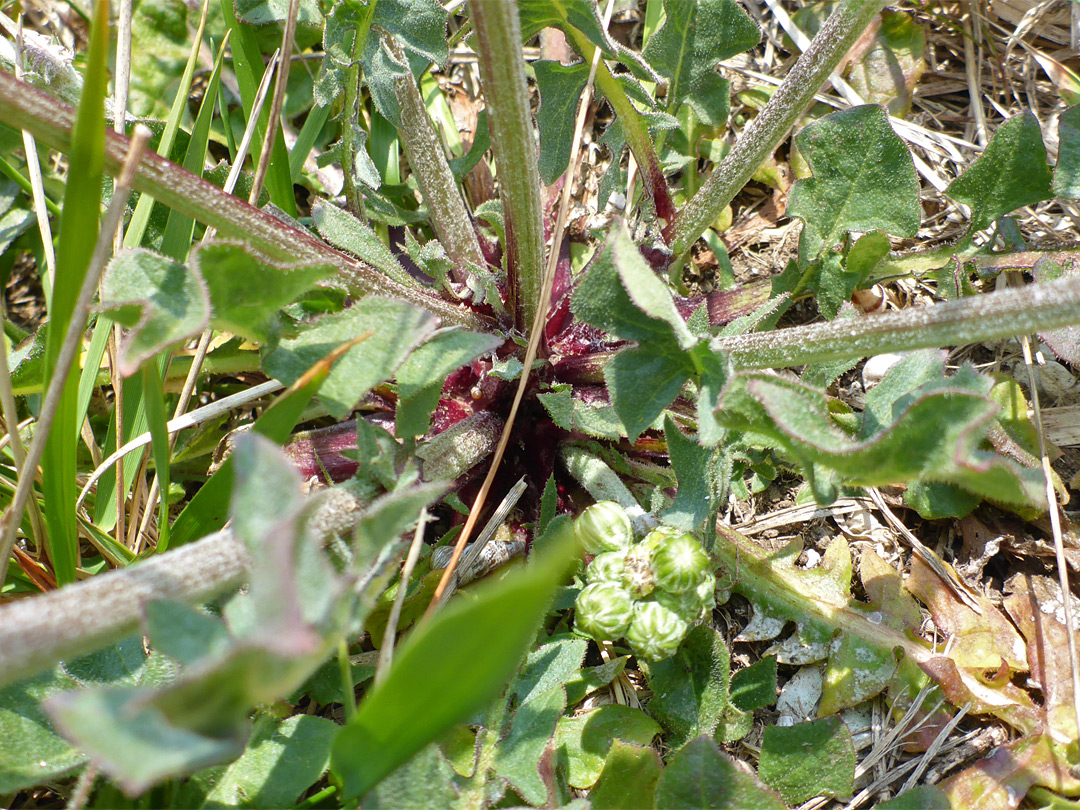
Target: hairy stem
column 633, row 125
column 50, row 121
column 428, row 160
column 37, row 632
column 502, row 69
column 969, row 320
column 762, row 135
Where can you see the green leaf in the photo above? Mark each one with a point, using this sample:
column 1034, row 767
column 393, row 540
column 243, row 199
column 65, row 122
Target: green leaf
column 344, row 231
column 918, row 426
column 548, row 665
column 158, row 300
column 130, row 740
column 1010, row 174
column 863, row 180
column 484, row 632
column 395, row 329
column 281, row 761
column 588, row 737
column 696, row 36
column 246, row 291
column 32, row 751
column 426, row 780
column 519, row 755
column 184, row 633
column 419, row 25
column 819, row 601
column 571, row 413
column 808, row 760
column 690, row 689
column 13, row 223
column 700, row 775
column 693, row 464
column 621, row 294
column 628, row 780
column 421, row 377
column 1067, row 172
column 833, row 279
column 262, row 12
column 560, row 89
column 755, row 687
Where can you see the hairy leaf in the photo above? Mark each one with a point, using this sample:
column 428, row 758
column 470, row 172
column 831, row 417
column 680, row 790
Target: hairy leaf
column 587, row 739
column 809, row 759
column 560, row 89
column 32, row 751
column 629, row 778
column 861, row 662
column 690, row 689
column 426, row 780
column 393, row 329
column 520, row 752
column 918, row 426
column 247, row 291
column 281, row 760
column 701, row 775
column 696, row 36
column 342, row 230
column 754, row 687
column 1010, row 174
column 158, row 300
column 863, row 180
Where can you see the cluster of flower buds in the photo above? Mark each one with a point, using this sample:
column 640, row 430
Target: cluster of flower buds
column 650, row 592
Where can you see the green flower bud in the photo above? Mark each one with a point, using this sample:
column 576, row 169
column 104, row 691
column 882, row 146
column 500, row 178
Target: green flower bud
column 687, row 606
column 706, row 591
column 637, row 574
column 658, row 536
column 606, row 567
column 604, row 526
column 679, row 563
column 656, row 632
column 603, row 611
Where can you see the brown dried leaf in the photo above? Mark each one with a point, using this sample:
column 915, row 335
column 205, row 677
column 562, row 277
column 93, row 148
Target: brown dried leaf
column 979, row 642
column 1036, row 606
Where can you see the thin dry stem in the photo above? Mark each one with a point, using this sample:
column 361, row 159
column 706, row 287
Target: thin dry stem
column 386, row 651
column 273, row 125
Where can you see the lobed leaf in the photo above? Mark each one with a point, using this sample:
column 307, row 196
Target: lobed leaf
column 695, row 37
column 1010, row 174
column 395, row 330
column 863, row 180
column 587, row 738
column 157, row 299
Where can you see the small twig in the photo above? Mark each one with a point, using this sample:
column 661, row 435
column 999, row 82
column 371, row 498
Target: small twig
column 535, row 336
column 386, row 651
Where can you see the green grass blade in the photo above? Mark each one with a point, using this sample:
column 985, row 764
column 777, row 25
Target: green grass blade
column 88, row 379
column 305, row 141
column 78, row 233
column 153, row 401
column 140, row 219
column 248, row 67
column 178, row 231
